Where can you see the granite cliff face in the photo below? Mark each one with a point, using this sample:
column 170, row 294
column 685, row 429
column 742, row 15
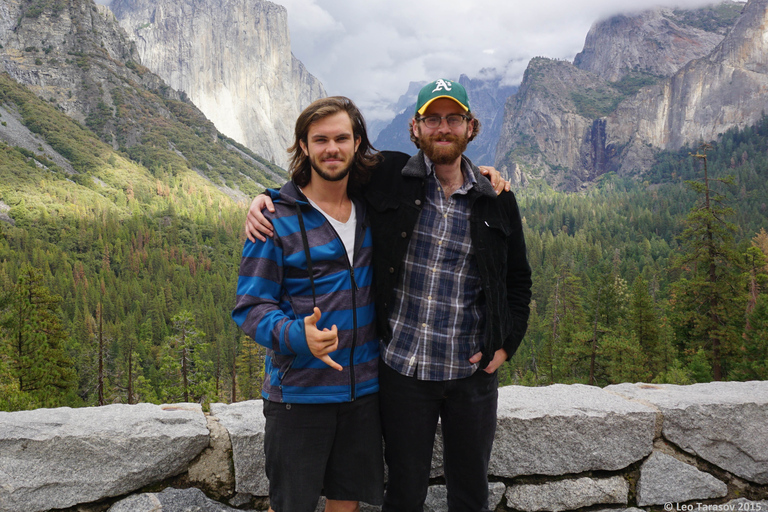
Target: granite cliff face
column 233, row 60
column 75, row 56
column 657, row 42
column 726, row 89
column 68, row 54
column 651, row 81
column 546, row 135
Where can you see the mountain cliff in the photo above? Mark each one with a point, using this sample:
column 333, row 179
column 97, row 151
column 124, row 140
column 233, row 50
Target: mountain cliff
column 69, row 60
column 548, row 129
column 631, row 93
column 657, row 42
column 726, row 89
column 232, row 58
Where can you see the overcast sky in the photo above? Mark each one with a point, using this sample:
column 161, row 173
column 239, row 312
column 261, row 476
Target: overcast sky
column 370, row 50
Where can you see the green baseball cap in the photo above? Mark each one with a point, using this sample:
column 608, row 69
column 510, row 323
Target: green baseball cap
column 442, row 88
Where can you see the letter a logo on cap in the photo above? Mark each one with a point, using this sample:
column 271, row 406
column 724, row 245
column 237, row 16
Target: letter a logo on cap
column 441, row 88
column 442, row 84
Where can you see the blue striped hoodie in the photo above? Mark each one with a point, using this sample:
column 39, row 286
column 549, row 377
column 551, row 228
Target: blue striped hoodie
column 275, row 291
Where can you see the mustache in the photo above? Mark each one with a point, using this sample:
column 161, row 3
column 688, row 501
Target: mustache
column 444, row 138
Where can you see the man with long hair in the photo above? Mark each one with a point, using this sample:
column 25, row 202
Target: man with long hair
column 305, row 294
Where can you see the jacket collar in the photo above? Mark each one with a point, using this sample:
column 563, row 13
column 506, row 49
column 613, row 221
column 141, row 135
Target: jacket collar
column 291, row 194
column 417, row 168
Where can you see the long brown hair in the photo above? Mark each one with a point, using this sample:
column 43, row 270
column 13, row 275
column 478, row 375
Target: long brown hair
column 366, row 156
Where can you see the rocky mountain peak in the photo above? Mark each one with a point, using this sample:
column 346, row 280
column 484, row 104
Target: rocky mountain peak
column 74, row 57
column 233, row 60
column 657, row 42
column 747, row 44
column 631, row 93
column 723, row 90
column 62, row 51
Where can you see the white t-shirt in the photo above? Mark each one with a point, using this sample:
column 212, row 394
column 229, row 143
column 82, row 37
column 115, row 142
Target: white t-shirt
column 346, row 230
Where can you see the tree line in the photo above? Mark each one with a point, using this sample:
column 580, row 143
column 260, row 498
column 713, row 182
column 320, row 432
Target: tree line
column 661, row 279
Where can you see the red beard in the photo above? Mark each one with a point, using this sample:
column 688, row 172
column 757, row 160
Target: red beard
column 442, row 155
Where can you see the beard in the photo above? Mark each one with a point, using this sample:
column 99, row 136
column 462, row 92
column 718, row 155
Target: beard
column 442, row 155
column 327, row 176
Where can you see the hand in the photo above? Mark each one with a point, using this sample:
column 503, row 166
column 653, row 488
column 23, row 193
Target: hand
column 498, row 359
column 499, row 184
column 256, row 225
column 321, row 343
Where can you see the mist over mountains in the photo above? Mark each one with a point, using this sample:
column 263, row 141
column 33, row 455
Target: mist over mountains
column 632, row 91
column 630, row 95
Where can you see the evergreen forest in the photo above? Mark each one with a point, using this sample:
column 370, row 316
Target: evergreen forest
column 117, row 281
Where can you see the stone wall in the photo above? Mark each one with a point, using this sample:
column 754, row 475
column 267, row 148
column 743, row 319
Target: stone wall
column 627, row 447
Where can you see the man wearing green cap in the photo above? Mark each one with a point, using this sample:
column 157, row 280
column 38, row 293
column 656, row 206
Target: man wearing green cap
column 453, row 287
column 452, row 291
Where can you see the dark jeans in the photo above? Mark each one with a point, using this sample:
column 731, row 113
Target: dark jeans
column 409, row 412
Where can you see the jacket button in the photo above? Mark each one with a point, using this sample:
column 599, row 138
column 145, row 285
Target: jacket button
column 391, row 270
column 403, row 234
column 418, row 202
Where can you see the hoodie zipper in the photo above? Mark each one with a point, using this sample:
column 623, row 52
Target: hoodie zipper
column 355, row 288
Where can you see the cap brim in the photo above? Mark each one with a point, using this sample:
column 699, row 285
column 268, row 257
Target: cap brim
column 428, row 103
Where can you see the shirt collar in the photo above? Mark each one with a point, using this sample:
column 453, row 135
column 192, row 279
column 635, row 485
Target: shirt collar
column 416, row 167
column 469, row 176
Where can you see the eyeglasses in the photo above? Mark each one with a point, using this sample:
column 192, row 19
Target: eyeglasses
column 454, row 120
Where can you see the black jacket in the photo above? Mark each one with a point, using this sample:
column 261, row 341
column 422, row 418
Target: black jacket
column 396, row 195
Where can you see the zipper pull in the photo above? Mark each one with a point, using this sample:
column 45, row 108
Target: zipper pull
column 354, row 281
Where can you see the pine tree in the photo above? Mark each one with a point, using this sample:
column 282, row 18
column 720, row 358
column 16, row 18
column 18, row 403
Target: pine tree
column 753, row 363
column 704, row 301
column 100, row 354
column 624, row 359
column 128, row 368
column 645, row 325
column 574, row 333
column 250, row 368
column 189, row 360
column 760, row 241
column 755, row 263
column 11, row 397
column 33, row 339
column 609, row 307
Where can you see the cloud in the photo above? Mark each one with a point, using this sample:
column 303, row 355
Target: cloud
column 371, row 50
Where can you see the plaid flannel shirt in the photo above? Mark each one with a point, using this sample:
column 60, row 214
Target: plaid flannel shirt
column 438, row 318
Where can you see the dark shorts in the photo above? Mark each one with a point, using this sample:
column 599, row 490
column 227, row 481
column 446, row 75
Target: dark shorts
column 323, row 449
